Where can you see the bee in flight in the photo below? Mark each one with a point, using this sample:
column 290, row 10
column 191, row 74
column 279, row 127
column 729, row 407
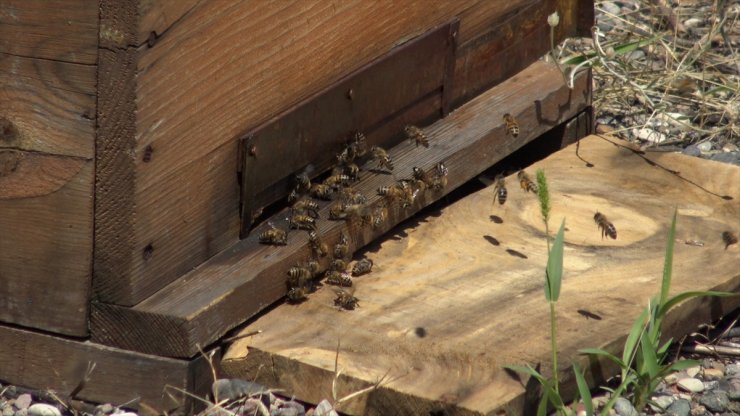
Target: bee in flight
column 274, row 236
column 606, row 227
column 512, row 127
column 345, row 299
column 729, row 238
column 526, row 182
column 499, row 189
column 381, row 156
column 416, row 135
column 363, row 266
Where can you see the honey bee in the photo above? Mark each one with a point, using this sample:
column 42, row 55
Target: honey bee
column 384, row 161
column 345, row 299
column 358, row 144
column 439, row 180
column 274, row 236
column 303, row 182
column 607, row 228
column 318, row 247
column 293, row 196
column 380, row 213
column 402, row 192
column 337, row 212
column 337, row 278
column 302, row 222
column 298, row 276
column 729, row 238
column 499, row 189
column 321, row 191
column 353, row 171
column 296, row 294
column 363, row 266
column 349, row 196
column 306, row 206
column 525, row 182
column 342, row 247
column 416, row 135
column 512, row 127
column 338, row 265
column 423, row 179
column 314, row 267
column 335, row 181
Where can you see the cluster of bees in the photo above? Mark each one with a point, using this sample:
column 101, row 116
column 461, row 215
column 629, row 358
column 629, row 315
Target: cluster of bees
column 348, row 205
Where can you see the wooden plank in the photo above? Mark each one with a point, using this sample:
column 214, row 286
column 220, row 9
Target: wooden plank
column 69, row 34
column 45, row 362
column 45, row 240
column 182, row 117
column 157, row 17
column 448, row 299
column 239, row 282
column 50, row 105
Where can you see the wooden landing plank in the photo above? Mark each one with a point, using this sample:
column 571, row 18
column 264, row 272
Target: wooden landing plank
column 186, row 119
column 239, row 282
column 448, row 304
column 44, row 362
column 46, row 244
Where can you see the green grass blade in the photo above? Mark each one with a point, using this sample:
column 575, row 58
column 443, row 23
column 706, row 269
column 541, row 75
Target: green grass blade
column 603, row 353
column 649, row 358
column 618, row 50
column 680, row 365
column 668, row 305
column 554, row 270
column 634, row 338
column 583, row 390
column 527, row 370
column 668, row 264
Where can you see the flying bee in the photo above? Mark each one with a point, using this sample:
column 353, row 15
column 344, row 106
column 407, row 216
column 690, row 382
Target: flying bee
column 321, row 191
column 274, row 236
column 297, row 294
column 607, row 228
column 306, row 206
column 338, row 265
column 298, row 276
column 499, row 189
column 303, row 182
column 512, row 127
column 342, row 247
column 349, row 196
column 345, row 299
column 302, row 222
column 729, row 238
column 416, row 135
column 525, row 182
column 363, row 266
column 337, row 278
column 380, row 155
column 318, row 247
column 335, row 181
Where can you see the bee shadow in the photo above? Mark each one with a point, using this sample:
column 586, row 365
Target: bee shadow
column 491, row 240
column 380, row 171
column 516, row 253
column 496, row 219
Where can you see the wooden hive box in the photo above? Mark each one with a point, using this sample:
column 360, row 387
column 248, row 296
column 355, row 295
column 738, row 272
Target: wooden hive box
column 127, row 127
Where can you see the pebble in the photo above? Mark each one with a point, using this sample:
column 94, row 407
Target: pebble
column 713, row 374
column 671, row 379
column 8, row 411
column 680, row 407
column 650, row 135
column 732, row 369
column 625, row 408
column 704, row 146
column 727, row 157
column 715, row 401
column 23, row 401
column 693, row 22
column 691, row 384
column 43, row 409
column 693, row 371
column 230, row 389
column 325, row 409
column 611, row 8
column 661, row 403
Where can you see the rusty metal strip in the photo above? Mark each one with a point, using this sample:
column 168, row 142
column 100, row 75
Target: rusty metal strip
column 312, row 132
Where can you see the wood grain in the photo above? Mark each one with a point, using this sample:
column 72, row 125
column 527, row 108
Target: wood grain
column 51, row 105
column 45, row 241
column 447, row 304
column 185, row 119
column 44, row 362
column 69, row 34
column 239, row 282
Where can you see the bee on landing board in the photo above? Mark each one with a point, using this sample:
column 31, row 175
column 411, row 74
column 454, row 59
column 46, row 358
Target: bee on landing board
column 302, row 222
column 306, row 206
column 345, row 299
column 729, row 238
column 416, row 135
column 321, row 191
column 337, row 181
column 439, row 178
column 303, row 182
column 499, row 189
column 363, row 266
column 338, row 278
column 297, row 294
column 342, row 247
column 298, row 276
column 526, row 182
column 381, row 156
column 274, row 236
column 606, row 227
column 318, row 248
column 512, row 127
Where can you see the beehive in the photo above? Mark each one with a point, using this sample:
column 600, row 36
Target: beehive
column 123, row 164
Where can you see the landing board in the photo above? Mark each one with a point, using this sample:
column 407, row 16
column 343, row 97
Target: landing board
column 454, row 295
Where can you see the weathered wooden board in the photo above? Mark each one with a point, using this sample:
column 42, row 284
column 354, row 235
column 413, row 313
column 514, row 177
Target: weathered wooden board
column 455, row 295
column 159, row 127
column 113, row 376
column 239, row 282
column 46, row 230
